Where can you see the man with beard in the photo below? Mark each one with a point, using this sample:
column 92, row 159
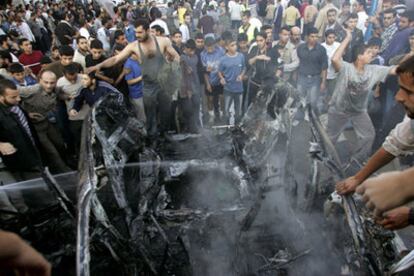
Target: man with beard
column 333, row 24
column 399, row 142
column 152, row 52
column 18, row 143
column 81, row 52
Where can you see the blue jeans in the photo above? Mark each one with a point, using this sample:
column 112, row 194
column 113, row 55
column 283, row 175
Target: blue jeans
column 309, row 88
column 229, row 98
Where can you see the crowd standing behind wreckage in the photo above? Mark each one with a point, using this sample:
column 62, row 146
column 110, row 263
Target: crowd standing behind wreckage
column 194, row 64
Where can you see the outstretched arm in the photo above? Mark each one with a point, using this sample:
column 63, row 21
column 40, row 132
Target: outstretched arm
column 123, row 55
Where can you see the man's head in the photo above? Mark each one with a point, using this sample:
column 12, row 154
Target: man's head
column 119, row 37
column 17, row 71
column 231, row 46
column 330, row 37
column 45, row 61
column 187, row 19
column 107, row 22
column 246, row 17
column 210, row 44
column 295, row 35
column 331, row 16
column 405, row 94
column 96, row 49
column 5, row 41
column 66, row 54
column 82, row 43
column 142, row 30
column 70, row 72
column 190, row 47
column 346, row 7
column 157, row 30
column 312, row 37
column 389, row 17
column 362, row 54
column 242, row 41
column 261, row 40
column 9, row 95
column 26, row 46
column 199, row 40
column 405, row 20
column 88, row 80
column 47, row 80
column 374, row 44
column 359, row 5
column 269, row 32
column 284, row 34
column 177, row 37
column 387, row 4
column 352, row 21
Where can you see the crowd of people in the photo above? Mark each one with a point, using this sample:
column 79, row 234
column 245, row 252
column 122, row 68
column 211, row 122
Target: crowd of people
column 350, row 61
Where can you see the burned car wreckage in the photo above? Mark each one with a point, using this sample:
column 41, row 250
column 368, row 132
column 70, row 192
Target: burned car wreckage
column 242, row 200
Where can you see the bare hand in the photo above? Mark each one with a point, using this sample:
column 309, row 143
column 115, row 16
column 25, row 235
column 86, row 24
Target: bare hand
column 91, row 69
column 36, row 116
column 73, row 113
column 223, row 81
column 323, row 87
column 395, row 219
column 385, row 192
column 209, row 68
column 239, row 78
column 7, row 149
column 209, row 89
column 347, row 186
column 263, row 57
column 28, row 261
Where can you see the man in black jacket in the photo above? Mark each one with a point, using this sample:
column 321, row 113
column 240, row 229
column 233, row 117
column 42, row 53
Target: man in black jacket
column 18, row 140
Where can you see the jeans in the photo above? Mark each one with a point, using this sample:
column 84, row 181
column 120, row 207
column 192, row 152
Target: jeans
column 363, row 127
column 138, row 105
column 229, row 98
column 309, row 88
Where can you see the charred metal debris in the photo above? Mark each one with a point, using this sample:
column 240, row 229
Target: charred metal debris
column 244, row 200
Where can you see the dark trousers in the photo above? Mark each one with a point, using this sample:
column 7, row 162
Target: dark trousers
column 216, row 91
column 157, row 105
column 76, row 130
column 52, row 146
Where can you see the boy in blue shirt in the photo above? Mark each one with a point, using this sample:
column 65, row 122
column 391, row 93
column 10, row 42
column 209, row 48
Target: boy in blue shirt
column 231, row 71
column 19, row 75
column 134, row 79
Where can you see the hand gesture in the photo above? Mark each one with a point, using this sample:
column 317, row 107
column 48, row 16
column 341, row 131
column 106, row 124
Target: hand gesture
column 36, row 116
column 73, row 113
column 7, row 149
column 222, row 81
column 347, row 186
column 395, row 219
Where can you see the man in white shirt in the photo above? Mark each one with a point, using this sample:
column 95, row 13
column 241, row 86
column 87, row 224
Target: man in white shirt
column 359, row 8
column 160, row 22
column 331, row 46
column 103, row 34
column 82, row 51
column 83, row 30
column 185, row 28
column 235, row 10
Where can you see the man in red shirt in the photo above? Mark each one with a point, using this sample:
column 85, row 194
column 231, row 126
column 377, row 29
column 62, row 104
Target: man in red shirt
column 30, row 58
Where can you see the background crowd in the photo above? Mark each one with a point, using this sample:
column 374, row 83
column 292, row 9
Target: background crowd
column 340, row 55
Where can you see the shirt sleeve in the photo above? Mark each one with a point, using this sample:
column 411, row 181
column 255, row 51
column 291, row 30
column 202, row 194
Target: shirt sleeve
column 380, row 73
column 400, row 141
column 324, row 59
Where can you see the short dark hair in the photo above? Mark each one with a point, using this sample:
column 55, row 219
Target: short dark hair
column 374, row 41
column 226, row 35
column 176, row 32
column 406, row 66
column 6, row 84
column 22, row 40
column 190, row 44
column 408, row 15
column 45, row 60
column 96, row 44
column 242, row 37
column 158, row 28
column 266, row 27
column 247, row 13
column 359, row 50
column 142, row 23
column 3, row 38
column 118, row 33
column 79, row 38
column 119, row 47
column 284, row 28
column 5, row 55
column 352, row 15
column 313, row 30
column 66, row 50
column 388, row 11
column 71, row 69
column 16, row 67
column 262, row 34
column 329, row 32
column 199, row 36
